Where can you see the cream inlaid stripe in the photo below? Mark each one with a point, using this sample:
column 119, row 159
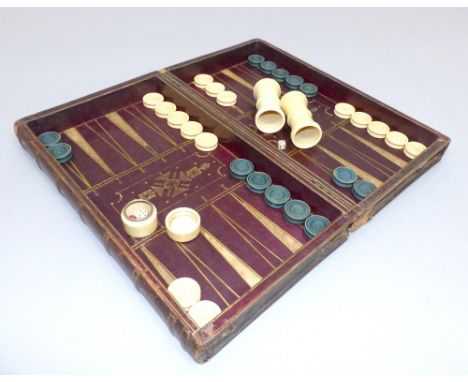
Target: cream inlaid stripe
column 74, row 135
column 115, row 145
column 140, row 167
column 229, row 73
column 123, row 125
column 207, row 267
column 254, row 73
column 238, row 228
column 249, row 82
column 251, row 277
column 287, row 239
column 376, row 163
column 363, row 174
column 392, row 158
column 74, row 168
column 150, row 124
column 182, row 249
column 160, row 268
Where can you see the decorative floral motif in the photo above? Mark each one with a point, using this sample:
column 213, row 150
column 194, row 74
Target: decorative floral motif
column 172, row 183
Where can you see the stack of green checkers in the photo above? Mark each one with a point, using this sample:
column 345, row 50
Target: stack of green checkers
column 276, row 196
column 280, row 74
column 292, row 81
column 255, row 60
column 267, row 67
column 345, row 177
column 62, row 152
column 362, row 188
column 310, row 90
column 314, row 224
column 296, row 211
column 49, row 138
column 241, row 168
column 258, row 182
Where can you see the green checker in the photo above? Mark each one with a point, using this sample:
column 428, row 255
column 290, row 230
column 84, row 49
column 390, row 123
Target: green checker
column 276, row 196
column 255, row 60
column 49, row 138
column 314, row 224
column 258, row 182
column 241, row 168
column 344, row 177
column 363, row 188
column 293, row 81
column 280, row 74
column 66, row 159
column 60, row 151
column 296, row 211
column 267, row 67
column 310, row 90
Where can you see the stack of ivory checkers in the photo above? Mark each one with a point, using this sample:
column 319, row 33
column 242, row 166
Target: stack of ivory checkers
column 204, row 141
column 380, row 130
column 183, row 224
column 215, row 89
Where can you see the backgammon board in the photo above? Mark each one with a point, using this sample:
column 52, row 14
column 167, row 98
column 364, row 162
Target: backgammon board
column 247, row 254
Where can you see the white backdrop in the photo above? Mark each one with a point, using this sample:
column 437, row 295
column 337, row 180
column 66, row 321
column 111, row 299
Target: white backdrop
column 392, row 299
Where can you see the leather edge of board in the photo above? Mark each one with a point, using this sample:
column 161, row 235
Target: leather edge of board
column 375, row 202
column 110, row 242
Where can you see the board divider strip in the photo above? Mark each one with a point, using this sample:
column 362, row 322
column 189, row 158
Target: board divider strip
column 300, row 173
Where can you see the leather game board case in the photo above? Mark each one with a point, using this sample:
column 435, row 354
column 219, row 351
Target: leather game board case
column 99, row 180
